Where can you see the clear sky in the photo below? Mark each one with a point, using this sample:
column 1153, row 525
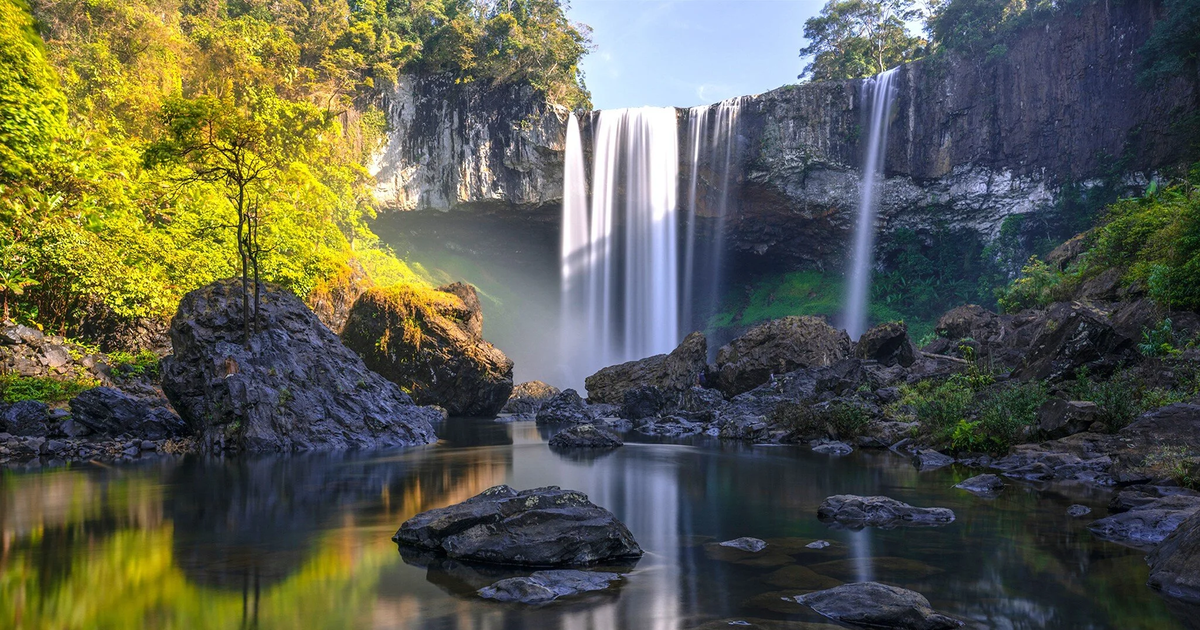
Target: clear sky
column 690, row 52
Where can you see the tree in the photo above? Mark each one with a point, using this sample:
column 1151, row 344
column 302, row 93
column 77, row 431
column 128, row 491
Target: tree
column 14, row 273
column 858, row 38
column 32, row 108
column 216, row 142
column 1174, row 47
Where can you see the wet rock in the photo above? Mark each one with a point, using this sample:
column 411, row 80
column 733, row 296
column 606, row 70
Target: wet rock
column 1082, row 457
column 430, row 343
column 753, row 545
column 929, row 460
column 877, row 605
column 1135, row 497
column 818, row 544
column 858, row 511
column 1078, row 511
column 888, row 344
column 985, row 485
column 1058, row 418
column 296, row 387
column 778, row 347
column 1148, row 524
column 644, row 402
column 27, row 418
column 584, row 436
column 565, row 408
column 112, row 412
column 832, row 448
column 671, row 374
column 1175, row 564
column 670, row 426
column 539, row 527
column 547, row 586
column 527, row 398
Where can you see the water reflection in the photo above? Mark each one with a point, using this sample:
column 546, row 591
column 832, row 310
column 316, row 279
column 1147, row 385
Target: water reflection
column 304, row 541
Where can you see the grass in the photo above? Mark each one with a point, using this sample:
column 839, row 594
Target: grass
column 128, row 365
column 14, row 388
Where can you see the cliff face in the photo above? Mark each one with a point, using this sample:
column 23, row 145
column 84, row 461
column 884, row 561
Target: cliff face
column 971, row 142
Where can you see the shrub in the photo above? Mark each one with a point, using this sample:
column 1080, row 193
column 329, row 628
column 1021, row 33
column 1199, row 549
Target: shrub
column 1174, row 462
column 1158, row 341
column 127, row 365
column 1005, row 412
column 939, row 405
column 14, row 388
column 1037, row 286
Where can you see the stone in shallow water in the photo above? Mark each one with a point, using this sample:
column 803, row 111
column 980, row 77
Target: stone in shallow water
column 539, row 527
column 929, row 460
column 547, row 586
column 818, row 544
column 1147, row 524
column 800, row 578
column 833, row 448
column 1077, row 511
column 585, row 436
column 856, row 511
column 878, row 605
column 753, row 545
column 985, row 485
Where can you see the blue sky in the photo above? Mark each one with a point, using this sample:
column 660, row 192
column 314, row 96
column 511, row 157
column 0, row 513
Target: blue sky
column 690, row 52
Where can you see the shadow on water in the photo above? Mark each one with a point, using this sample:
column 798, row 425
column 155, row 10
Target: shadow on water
column 304, row 540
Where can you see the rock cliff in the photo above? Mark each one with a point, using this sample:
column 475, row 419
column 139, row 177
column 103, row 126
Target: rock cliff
column 972, row 141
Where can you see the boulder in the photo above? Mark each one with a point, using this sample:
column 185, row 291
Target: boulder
column 428, row 342
column 28, row 418
column 112, row 412
column 1147, row 524
column 539, row 527
column 1071, row 336
column 670, row 373
column 857, row 511
column 878, row 606
column 888, row 344
column 752, row 545
column 778, row 347
column 584, row 436
column 645, row 401
column 984, row 485
column 830, row 447
column 565, row 408
column 1175, row 564
column 925, row 459
column 527, row 398
column 1058, row 418
column 294, row 386
column 547, row 586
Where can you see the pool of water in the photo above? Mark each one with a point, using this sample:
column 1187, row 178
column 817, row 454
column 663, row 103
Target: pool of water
column 304, row 541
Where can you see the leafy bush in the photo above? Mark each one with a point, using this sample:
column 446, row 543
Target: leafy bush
column 1159, row 341
column 1174, row 462
column 14, row 388
column 127, row 365
column 1036, row 287
column 939, row 405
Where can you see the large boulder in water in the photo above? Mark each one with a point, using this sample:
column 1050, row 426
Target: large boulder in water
column 878, row 605
column 430, row 343
column 778, row 347
column 294, row 386
column 1175, row 564
column 856, row 511
column 671, row 373
column 539, row 527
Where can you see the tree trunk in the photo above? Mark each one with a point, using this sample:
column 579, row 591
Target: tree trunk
column 243, row 254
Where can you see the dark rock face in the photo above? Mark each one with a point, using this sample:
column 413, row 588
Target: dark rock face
column 879, row 606
column 644, row 402
column 1075, row 336
column 527, row 398
column 565, row 408
column 983, row 485
column 856, row 511
column 778, row 347
column 112, row 412
column 670, row 373
column 538, row 527
column 26, row 418
column 888, row 344
column 547, row 586
column 584, row 436
column 1175, row 565
column 1059, row 418
column 429, row 342
column 295, row 388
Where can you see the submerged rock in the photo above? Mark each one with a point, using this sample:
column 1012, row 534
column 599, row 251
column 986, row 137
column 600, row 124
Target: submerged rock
column 671, row 373
column 293, row 387
column 430, row 342
column 878, row 605
column 584, row 436
column 753, row 545
column 985, row 485
column 778, row 347
column 539, row 527
column 527, row 398
column 857, row 511
column 1175, row 565
column 547, row 586
column 111, row 412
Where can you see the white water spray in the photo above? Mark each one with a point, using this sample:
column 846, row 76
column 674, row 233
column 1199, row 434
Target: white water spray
column 877, row 95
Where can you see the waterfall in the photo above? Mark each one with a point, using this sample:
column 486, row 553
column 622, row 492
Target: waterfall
column 712, row 143
column 621, row 272
column 877, row 97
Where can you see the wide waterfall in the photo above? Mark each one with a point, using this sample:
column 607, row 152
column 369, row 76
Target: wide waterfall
column 712, row 146
column 620, row 286
column 877, row 96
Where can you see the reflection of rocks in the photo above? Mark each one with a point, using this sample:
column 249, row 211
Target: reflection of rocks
column 878, row 605
column 855, row 511
column 893, row 568
column 800, row 578
column 538, row 527
column 774, row 605
column 547, row 586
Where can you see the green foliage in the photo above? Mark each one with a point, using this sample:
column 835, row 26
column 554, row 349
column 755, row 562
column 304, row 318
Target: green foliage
column 980, row 28
column 1125, row 395
column 1038, row 285
column 143, row 364
column 1159, row 341
column 938, row 405
column 1174, row 47
column 32, row 108
column 1006, row 412
column 1175, row 462
column 840, row 419
column 926, row 274
column 14, row 388
column 859, row 38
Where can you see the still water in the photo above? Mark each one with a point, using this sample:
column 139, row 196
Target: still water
column 304, row 541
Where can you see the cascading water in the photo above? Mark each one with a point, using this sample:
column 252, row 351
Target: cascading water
column 878, row 95
column 712, row 140
column 620, row 277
